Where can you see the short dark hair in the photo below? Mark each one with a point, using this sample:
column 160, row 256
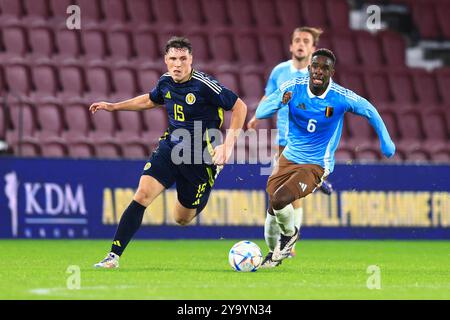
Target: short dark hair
column 326, row 53
column 179, row 43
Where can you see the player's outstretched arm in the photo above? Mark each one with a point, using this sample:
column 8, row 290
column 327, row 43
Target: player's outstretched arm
column 223, row 152
column 138, row 103
column 270, row 105
column 367, row 110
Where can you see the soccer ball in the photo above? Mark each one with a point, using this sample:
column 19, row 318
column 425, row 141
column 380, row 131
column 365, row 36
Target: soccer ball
column 245, row 256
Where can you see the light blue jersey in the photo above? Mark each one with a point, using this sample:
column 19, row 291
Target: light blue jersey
column 280, row 74
column 315, row 122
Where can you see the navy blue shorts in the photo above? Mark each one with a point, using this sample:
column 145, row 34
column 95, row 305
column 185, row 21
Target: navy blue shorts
column 193, row 181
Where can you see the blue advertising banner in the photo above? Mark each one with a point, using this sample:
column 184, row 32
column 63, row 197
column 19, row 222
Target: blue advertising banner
column 67, row 198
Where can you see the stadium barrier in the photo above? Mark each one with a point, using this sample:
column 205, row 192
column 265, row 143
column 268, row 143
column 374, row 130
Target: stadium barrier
column 65, row 198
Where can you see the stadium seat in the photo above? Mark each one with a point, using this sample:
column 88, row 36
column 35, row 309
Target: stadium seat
column 114, row 11
column 437, row 133
column 200, row 46
column 27, row 127
column 51, row 121
column 272, row 48
column 72, row 81
column 140, row 12
column 367, row 154
column 222, row 47
column 58, row 8
column 36, row 10
column 14, row 41
column 247, row 48
column 124, row 83
column 11, row 9
column 155, row 122
column 418, row 156
column 42, row 43
column 229, row 79
column 81, row 149
column 54, row 149
column 344, row 155
column 131, row 127
column 252, row 84
column 107, row 150
column 18, row 79
column 147, row 79
column 191, row 13
column 441, row 156
column 104, row 126
column 425, row 87
column 216, row 14
column 338, row 13
column 91, row 10
column 94, row 44
column 390, row 121
column 345, row 49
column 68, row 44
column 402, row 87
column 98, row 80
column 290, row 15
column 411, row 130
column 369, row 49
column 443, row 83
column 166, row 13
column 120, row 43
column 78, row 122
column 27, row 149
column 241, row 14
column 353, row 80
column 135, row 150
column 314, row 13
column 361, row 133
column 425, row 19
column 394, row 48
column 45, row 80
column 146, row 46
column 442, row 13
column 265, row 12
column 377, row 86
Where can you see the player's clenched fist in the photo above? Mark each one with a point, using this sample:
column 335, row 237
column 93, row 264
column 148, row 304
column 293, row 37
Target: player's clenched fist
column 101, row 106
column 221, row 154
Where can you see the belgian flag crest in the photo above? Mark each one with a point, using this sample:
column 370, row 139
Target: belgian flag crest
column 329, row 111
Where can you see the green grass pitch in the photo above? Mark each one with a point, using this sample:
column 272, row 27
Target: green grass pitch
column 188, row 269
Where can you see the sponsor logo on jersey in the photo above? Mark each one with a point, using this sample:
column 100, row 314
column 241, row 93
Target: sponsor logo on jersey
column 168, row 96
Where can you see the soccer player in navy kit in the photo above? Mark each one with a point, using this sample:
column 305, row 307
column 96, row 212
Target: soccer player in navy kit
column 193, row 100
column 316, row 106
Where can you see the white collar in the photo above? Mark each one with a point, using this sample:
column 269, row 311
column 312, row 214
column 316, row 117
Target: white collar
column 294, row 69
column 323, row 95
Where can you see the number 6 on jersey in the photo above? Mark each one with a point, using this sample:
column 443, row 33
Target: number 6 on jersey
column 311, row 125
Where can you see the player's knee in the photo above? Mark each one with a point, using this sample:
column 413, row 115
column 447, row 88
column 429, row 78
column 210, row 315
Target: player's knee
column 143, row 197
column 281, row 199
column 182, row 221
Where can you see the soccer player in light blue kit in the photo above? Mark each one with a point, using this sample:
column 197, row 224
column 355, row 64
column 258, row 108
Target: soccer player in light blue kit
column 303, row 43
column 316, row 107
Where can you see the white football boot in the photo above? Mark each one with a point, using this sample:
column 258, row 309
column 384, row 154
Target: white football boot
column 111, row 261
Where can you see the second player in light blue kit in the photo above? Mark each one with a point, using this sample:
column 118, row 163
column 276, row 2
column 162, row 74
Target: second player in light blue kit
column 316, row 106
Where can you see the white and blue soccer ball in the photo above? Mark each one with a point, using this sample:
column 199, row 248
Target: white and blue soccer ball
column 245, row 256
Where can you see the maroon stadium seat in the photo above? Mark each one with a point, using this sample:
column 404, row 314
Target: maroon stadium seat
column 252, row 84
column 14, row 41
column 367, row 154
column 36, row 10
column 241, row 14
column 155, row 122
column 410, row 130
column 402, row 87
column 135, row 150
column 51, row 121
column 425, row 19
column 42, row 42
column 146, row 44
column 91, row 10
column 314, row 13
column 98, row 80
column 344, row 155
column 361, row 133
column 28, row 126
column 120, row 43
column 229, row 79
column 443, row 82
column 247, row 48
column 72, row 81
column 18, row 79
column 78, row 122
column 124, row 83
column 147, row 79
column 104, row 126
column 114, row 11
column 53, row 149
column 68, row 43
column 27, row 149
column 418, row 156
column 200, row 46
column 45, row 80
column 338, row 12
column 377, row 86
column 425, row 87
column 58, row 8
column 345, row 49
column 272, row 48
column 353, row 80
column 216, row 13
column 191, row 13
column 140, row 12
column 166, row 13
column 369, row 49
column 94, row 44
column 290, row 14
column 394, row 48
column 442, row 14
column 222, row 47
column 442, row 156
column 108, row 150
column 435, row 127
column 11, row 9
column 131, row 126
column 81, row 149
column 3, row 123
column 265, row 12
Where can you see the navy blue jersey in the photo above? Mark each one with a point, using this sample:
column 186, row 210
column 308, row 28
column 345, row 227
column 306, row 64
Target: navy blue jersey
column 201, row 99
